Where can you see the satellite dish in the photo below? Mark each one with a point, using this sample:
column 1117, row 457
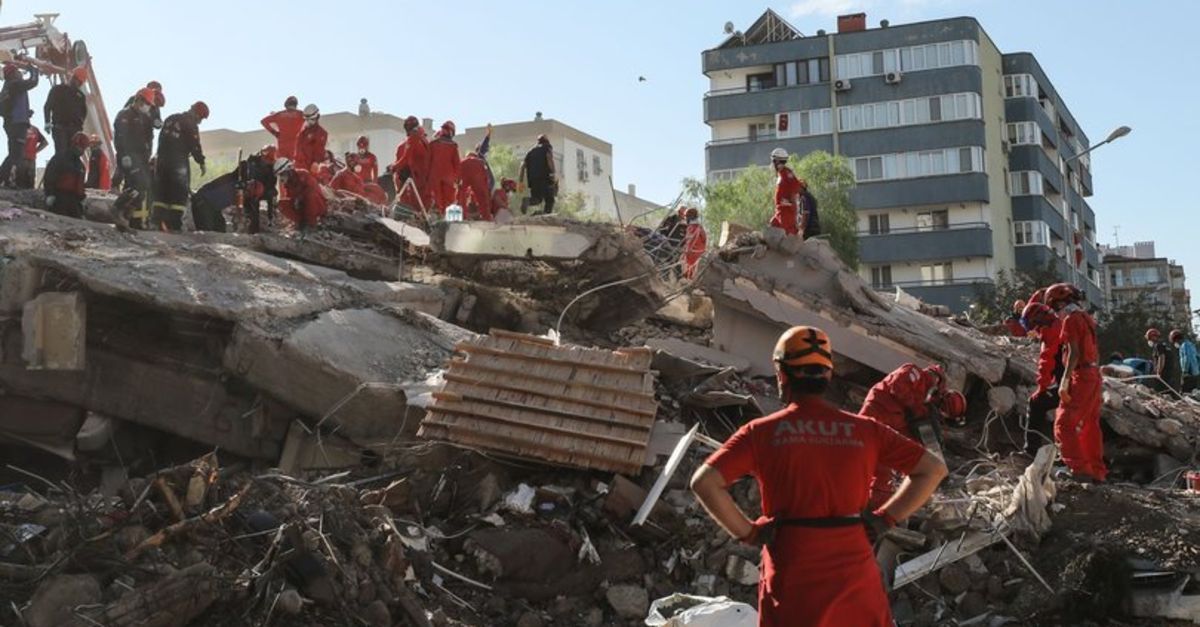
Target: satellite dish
column 728, row 28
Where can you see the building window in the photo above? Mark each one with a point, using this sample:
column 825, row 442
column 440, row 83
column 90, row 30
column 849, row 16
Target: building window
column 910, row 59
column 803, row 72
column 947, row 108
column 1020, row 86
column 937, row 273
column 1025, row 183
column 581, row 165
column 933, row 220
column 1024, row 133
column 759, row 82
column 1139, row 277
column 879, row 224
column 881, row 277
column 597, row 167
column 1031, row 233
column 762, row 131
column 805, row 123
column 907, row 165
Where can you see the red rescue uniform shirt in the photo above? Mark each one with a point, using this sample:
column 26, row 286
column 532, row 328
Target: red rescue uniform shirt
column 33, row 139
column 473, row 186
column 787, row 187
column 499, row 200
column 310, row 146
column 413, row 156
column 367, row 167
column 285, row 127
column 443, row 171
column 1077, row 420
column 695, row 242
column 305, row 203
column 1048, row 357
column 347, row 181
column 903, row 392
column 812, row 460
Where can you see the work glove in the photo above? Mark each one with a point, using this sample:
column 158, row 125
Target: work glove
column 126, row 162
column 878, row 522
column 762, row 532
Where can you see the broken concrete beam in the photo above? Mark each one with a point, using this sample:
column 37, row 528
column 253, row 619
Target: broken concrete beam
column 48, row 425
column 695, row 352
column 513, row 241
column 19, row 283
column 54, row 325
column 351, row 367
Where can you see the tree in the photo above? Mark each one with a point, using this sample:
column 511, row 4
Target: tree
column 993, row 302
column 504, row 161
column 749, row 199
column 1123, row 328
column 213, row 168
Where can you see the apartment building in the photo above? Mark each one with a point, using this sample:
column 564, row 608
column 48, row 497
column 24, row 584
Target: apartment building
column 1135, row 274
column 965, row 157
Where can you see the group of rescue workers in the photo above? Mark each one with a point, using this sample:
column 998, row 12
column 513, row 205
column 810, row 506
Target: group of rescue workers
column 827, row 478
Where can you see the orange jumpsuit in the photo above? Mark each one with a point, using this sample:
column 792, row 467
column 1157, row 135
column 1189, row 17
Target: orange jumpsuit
column 812, row 460
column 305, row 204
column 367, row 168
column 374, row 193
column 412, row 160
column 443, row 171
column 787, row 187
column 1077, row 420
column 901, row 394
column 310, row 147
column 499, row 200
column 347, row 181
column 695, row 241
column 285, row 127
column 473, row 186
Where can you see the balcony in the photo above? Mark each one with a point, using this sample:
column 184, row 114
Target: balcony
column 956, row 241
column 739, row 152
column 957, row 294
column 928, row 190
column 731, row 104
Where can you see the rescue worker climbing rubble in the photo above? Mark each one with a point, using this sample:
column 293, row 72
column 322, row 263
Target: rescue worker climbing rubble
column 412, row 164
column 304, row 204
column 26, row 171
column 66, row 109
column 14, row 108
column 539, row 172
column 474, row 195
column 811, row 462
column 914, row 401
column 1077, row 420
column 500, row 202
column 788, row 189
column 346, row 180
column 178, row 142
column 256, row 177
column 99, row 175
column 285, row 127
column 695, row 242
column 444, row 167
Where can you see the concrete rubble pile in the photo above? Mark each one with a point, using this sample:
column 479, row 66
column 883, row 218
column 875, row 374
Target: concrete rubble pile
column 377, row 463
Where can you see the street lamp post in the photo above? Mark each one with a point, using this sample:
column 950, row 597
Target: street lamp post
column 1117, row 133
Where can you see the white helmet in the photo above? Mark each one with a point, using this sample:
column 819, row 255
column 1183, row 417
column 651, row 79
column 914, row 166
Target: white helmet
column 283, row 165
column 779, row 154
column 311, row 111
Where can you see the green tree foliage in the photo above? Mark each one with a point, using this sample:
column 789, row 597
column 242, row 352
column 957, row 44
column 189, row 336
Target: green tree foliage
column 213, row 169
column 993, row 303
column 749, row 199
column 1123, row 328
column 504, row 161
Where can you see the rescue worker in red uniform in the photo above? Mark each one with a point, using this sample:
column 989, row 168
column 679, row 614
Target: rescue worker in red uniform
column 500, row 199
column 1077, row 421
column 812, row 462
column 326, row 168
column 63, row 180
column 305, row 203
column 443, row 167
column 1012, row 323
column 26, row 170
column 310, row 145
column 474, row 196
column 904, row 398
column 99, row 175
column 412, row 163
column 1042, row 322
column 695, row 242
column 285, row 127
column 788, row 189
column 367, row 167
column 346, row 180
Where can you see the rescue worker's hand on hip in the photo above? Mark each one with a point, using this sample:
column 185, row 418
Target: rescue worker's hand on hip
column 878, row 522
column 762, row 532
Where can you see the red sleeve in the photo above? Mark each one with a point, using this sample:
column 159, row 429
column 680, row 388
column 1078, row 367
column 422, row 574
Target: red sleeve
column 1048, row 359
column 1071, row 330
column 907, row 385
column 735, row 459
column 267, row 122
column 896, row 451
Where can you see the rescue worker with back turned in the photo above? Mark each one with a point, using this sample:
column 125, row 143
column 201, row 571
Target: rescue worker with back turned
column 64, row 178
column 66, row 109
column 14, row 108
column 178, row 141
column 133, row 138
column 538, row 171
column 812, row 463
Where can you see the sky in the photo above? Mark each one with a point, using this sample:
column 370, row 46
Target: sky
column 479, row 61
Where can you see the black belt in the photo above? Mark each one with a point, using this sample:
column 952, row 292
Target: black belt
column 824, row 523
column 1085, row 366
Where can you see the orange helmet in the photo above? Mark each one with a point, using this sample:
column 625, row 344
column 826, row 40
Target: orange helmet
column 1062, row 294
column 79, row 74
column 147, row 95
column 200, row 109
column 1036, row 316
column 803, row 346
column 954, row 404
column 81, row 140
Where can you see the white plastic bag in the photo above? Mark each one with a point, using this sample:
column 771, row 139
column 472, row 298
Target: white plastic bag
column 700, row 612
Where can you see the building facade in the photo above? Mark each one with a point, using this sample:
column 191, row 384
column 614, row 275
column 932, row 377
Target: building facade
column 964, row 156
column 1135, row 275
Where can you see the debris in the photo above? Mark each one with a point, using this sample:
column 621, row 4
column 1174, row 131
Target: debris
column 683, row 610
column 54, row 602
column 741, row 570
column 55, row 328
column 663, row 477
column 628, row 601
column 1002, row 399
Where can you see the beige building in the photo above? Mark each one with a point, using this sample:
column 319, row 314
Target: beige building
column 1135, row 274
column 385, row 131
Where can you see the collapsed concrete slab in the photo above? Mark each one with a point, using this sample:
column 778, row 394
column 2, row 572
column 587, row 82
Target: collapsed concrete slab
column 55, row 330
column 599, row 271
column 764, row 284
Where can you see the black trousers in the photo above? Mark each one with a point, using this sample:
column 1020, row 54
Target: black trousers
column 539, row 196
column 1041, row 420
column 16, row 132
column 62, row 137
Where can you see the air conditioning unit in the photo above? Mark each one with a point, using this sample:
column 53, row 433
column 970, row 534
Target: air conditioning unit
column 841, row 84
column 893, row 78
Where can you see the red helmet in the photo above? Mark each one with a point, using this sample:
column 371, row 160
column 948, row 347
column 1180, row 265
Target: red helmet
column 1018, row 306
column 954, row 404
column 935, row 376
column 79, row 74
column 363, row 141
column 155, row 85
column 1176, row 336
column 543, row 140
column 351, row 158
column 159, row 99
column 411, row 122
column 508, row 185
column 1061, row 294
column 1037, row 316
column 691, row 212
column 11, row 70
column 291, row 103
column 1153, row 334
column 1038, row 296
column 269, row 153
column 448, row 128
column 81, row 140
column 200, row 109
column 147, row 95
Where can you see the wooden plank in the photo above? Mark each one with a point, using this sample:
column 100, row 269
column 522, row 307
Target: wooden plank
column 577, row 459
column 474, row 411
column 521, row 337
column 629, row 384
column 948, row 553
column 599, row 414
column 470, row 373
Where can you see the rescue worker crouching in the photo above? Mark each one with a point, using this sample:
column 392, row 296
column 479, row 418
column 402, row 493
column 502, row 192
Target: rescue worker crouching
column 178, row 141
column 812, row 463
column 63, row 180
column 305, row 202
